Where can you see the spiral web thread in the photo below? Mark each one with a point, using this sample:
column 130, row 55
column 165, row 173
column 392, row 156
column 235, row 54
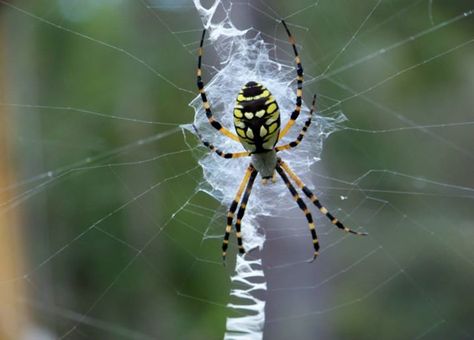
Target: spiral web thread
column 245, row 56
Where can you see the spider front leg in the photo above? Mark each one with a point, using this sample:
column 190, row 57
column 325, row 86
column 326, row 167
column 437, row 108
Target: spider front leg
column 303, row 207
column 305, row 128
column 316, row 201
column 299, row 80
column 233, row 207
column 200, row 84
column 218, row 151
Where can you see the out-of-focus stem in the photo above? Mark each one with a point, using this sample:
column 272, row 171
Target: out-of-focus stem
column 13, row 314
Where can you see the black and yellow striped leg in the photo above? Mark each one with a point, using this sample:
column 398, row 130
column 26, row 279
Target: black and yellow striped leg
column 316, row 201
column 300, row 137
column 233, row 208
column 299, row 81
column 219, row 151
column 200, row 84
column 304, row 208
column 241, row 212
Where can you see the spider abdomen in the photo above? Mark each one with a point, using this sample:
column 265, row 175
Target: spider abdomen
column 256, row 118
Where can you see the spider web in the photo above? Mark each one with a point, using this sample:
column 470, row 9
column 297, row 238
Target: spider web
column 123, row 211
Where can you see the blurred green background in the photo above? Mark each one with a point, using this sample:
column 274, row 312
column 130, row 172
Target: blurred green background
column 119, row 244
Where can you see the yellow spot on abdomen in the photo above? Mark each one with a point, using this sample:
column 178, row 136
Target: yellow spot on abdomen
column 239, row 123
column 238, row 113
column 273, row 127
column 250, row 133
column 270, row 100
column 271, row 108
column 271, row 120
column 241, row 132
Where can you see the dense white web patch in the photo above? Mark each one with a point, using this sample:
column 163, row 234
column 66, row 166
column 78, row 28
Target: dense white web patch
column 380, row 197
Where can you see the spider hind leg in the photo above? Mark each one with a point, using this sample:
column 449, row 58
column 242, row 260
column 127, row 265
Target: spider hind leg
column 304, row 208
column 316, row 201
column 241, row 212
column 246, row 184
column 233, row 208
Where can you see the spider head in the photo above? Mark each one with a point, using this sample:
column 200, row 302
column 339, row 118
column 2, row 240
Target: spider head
column 256, row 118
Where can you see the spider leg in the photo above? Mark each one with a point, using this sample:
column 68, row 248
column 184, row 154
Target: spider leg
column 300, row 137
column 218, row 151
column 316, row 201
column 241, row 212
column 233, row 208
column 303, row 207
column 299, row 79
column 200, row 84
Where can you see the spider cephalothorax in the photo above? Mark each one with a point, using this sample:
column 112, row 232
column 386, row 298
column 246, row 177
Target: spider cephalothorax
column 257, row 123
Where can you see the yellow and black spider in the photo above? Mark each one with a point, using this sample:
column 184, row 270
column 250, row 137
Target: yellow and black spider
column 257, row 123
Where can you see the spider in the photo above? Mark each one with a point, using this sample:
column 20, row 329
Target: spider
column 257, row 123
